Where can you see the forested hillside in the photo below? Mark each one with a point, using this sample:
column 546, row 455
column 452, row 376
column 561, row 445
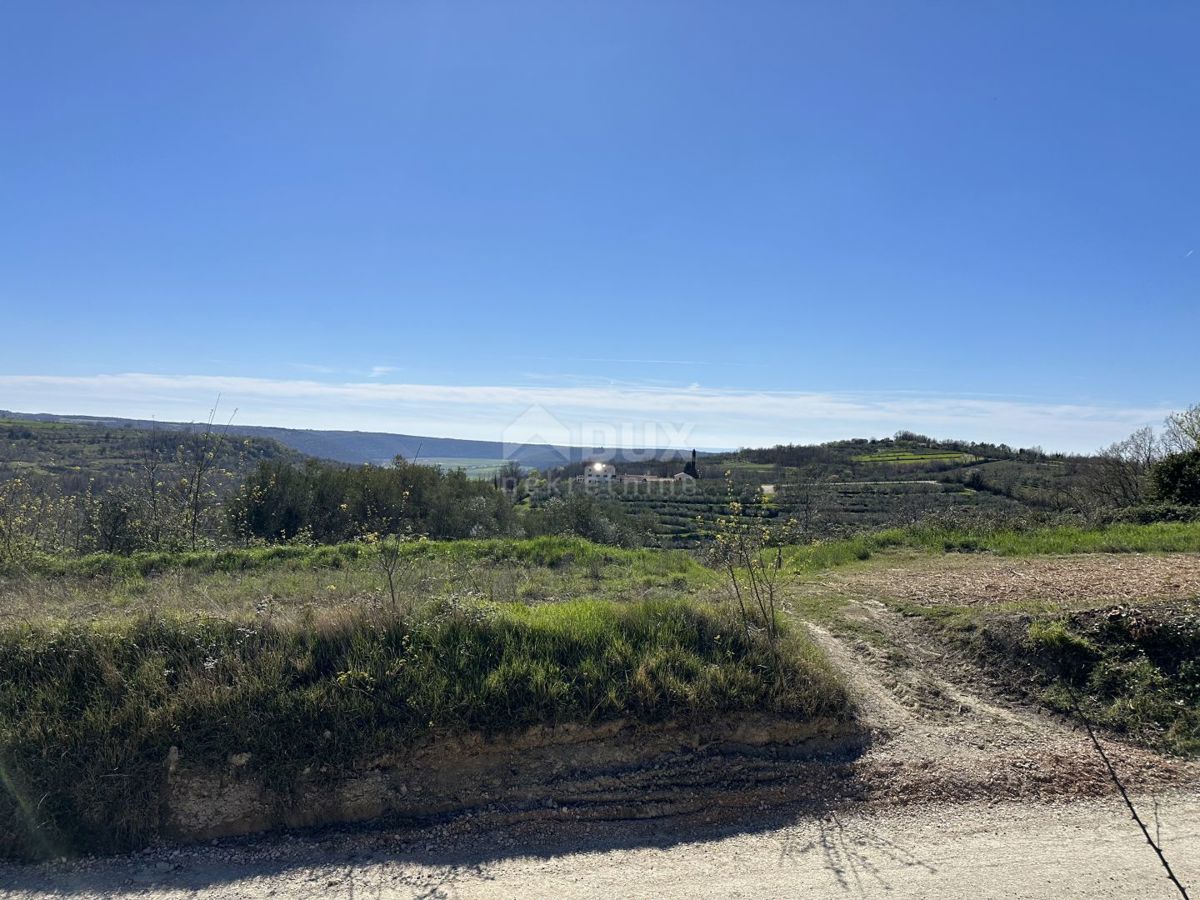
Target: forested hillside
column 75, row 454
column 378, row 448
column 95, row 487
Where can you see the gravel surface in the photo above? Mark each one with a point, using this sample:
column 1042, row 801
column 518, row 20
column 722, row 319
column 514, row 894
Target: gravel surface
column 1082, row 849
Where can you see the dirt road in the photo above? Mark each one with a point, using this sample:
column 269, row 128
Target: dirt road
column 1065, row 850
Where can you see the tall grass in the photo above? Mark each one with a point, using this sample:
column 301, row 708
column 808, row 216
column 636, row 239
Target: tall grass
column 553, row 551
column 88, row 713
column 1158, row 537
column 286, row 580
column 548, row 551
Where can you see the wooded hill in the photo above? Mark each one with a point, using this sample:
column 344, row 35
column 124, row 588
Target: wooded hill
column 377, row 448
column 76, row 454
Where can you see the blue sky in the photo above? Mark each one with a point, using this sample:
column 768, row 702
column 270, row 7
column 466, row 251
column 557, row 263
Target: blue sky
column 746, row 223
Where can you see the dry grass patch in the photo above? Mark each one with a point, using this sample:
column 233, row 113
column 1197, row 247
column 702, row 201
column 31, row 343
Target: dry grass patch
column 1069, row 581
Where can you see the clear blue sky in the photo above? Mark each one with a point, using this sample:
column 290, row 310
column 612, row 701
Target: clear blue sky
column 978, row 219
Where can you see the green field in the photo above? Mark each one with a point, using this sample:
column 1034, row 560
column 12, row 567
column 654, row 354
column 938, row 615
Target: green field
column 474, row 467
column 914, row 457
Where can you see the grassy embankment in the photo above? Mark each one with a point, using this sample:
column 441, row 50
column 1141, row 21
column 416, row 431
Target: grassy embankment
column 90, row 708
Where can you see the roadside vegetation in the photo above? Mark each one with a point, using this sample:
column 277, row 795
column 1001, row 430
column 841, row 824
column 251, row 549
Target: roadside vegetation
column 287, row 580
column 90, row 711
column 1133, row 670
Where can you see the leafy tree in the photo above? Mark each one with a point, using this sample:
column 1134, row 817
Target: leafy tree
column 1177, row 478
column 330, row 503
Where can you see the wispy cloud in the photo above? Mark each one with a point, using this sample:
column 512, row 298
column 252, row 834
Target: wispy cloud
column 631, row 413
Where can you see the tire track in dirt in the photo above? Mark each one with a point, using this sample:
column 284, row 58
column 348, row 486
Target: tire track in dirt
column 937, row 737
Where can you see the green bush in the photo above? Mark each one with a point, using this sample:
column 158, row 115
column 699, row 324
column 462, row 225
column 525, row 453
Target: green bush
column 1129, row 670
column 1177, row 478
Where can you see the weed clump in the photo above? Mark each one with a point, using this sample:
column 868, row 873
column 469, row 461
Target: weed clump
column 1132, row 671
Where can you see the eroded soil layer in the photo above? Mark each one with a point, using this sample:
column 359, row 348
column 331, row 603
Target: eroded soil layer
column 613, row 770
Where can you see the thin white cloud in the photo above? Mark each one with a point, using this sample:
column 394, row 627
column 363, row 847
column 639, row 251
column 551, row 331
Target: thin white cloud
column 614, row 414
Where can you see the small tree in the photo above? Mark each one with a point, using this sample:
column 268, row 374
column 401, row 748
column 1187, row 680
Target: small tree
column 750, row 553
column 388, row 555
column 387, row 559
column 204, row 456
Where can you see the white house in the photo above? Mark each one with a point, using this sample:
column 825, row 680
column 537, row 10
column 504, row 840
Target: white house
column 598, row 473
column 605, row 474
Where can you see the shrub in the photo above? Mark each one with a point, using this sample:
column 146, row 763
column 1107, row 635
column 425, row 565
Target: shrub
column 1177, row 478
column 1128, row 669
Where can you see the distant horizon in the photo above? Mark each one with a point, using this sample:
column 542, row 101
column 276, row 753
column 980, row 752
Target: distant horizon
column 625, row 416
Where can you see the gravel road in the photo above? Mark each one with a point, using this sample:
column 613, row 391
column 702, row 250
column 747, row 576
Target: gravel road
column 1078, row 849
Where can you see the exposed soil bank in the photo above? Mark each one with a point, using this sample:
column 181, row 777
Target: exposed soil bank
column 613, row 770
